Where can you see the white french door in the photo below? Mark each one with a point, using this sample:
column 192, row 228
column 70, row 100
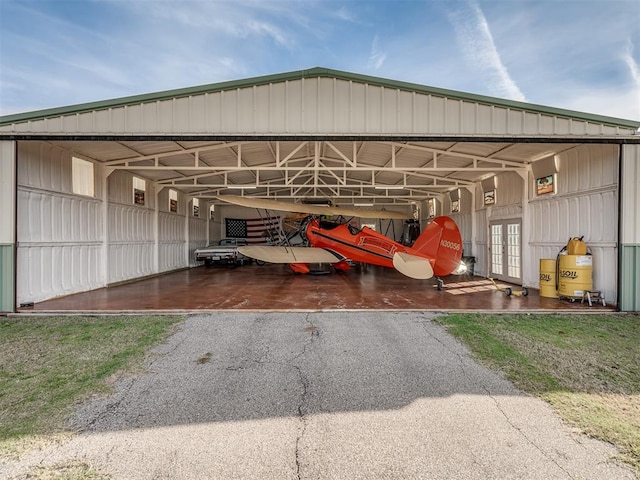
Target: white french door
column 506, row 250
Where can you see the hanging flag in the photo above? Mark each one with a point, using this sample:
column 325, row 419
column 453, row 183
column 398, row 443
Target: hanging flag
column 257, row 231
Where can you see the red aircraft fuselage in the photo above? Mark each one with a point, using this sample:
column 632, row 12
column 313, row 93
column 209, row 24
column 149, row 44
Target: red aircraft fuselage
column 440, row 244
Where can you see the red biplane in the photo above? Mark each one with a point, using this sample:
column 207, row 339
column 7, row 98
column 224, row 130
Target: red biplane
column 436, row 252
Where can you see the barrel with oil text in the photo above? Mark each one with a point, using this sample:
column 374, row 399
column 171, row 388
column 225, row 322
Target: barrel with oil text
column 548, row 278
column 575, row 275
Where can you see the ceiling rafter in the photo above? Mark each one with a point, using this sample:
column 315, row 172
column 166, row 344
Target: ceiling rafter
column 450, row 153
column 328, row 167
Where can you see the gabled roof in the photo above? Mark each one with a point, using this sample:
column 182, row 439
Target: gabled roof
column 316, row 133
column 317, row 72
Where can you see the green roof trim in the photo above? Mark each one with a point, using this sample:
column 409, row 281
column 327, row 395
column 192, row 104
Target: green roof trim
column 314, row 73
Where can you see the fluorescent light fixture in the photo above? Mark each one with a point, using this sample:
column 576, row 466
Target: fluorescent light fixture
column 363, row 204
column 389, row 187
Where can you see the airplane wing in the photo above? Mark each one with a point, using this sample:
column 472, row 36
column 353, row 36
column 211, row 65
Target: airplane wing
column 266, row 204
column 412, row 266
column 276, row 254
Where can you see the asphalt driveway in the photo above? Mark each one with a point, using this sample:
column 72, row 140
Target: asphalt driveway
column 341, row 395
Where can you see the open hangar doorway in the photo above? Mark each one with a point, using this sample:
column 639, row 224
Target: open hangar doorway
column 109, row 192
column 153, row 201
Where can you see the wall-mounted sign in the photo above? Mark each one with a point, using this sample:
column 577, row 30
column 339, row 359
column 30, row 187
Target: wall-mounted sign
column 545, row 185
column 432, row 207
column 490, row 197
column 173, row 201
column 138, row 196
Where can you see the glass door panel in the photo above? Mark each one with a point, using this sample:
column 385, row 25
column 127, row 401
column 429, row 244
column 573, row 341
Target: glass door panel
column 506, row 250
column 496, row 249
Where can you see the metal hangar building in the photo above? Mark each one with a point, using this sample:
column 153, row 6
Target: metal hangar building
column 102, row 193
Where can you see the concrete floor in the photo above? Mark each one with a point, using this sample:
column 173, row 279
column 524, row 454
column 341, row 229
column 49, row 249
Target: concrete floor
column 276, row 288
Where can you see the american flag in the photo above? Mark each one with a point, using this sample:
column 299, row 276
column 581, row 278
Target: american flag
column 255, row 230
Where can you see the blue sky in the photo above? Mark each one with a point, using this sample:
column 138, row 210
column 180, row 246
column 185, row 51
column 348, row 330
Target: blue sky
column 581, row 55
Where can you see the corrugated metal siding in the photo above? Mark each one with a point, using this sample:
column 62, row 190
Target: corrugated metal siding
column 7, row 192
column 7, row 225
column 630, row 278
column 197, row 235
column 44, row 166
column 7, row 292
column 171, row 241
column 630, row 186
column 315, row 105
column 481, row 247
column 586, row 204
column 59, row 244
column 509, row 190
column 509, row 196
column 630, row 230
column 46, row 271
column 61, row 237
column 59, row 234
column 464, row 222
column 131, row 242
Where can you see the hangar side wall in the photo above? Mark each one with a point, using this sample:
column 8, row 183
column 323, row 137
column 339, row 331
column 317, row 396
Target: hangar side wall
column 197, row 234
column 7, row 225
column 585, row 204
column 508, row 205
column 70, row 243
column 150, row 238
column 463, row 218
column 630, row 230
column 60, row 235
column 130, row 227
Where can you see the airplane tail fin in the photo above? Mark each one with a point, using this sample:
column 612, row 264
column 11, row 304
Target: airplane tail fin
column 441, row 240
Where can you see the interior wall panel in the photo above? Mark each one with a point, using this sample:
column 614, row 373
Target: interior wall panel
column 481, row 247
column 508, row 205
column 197, row 237
column 509, row 188
column 131, row 242
column 47, row 271
column 171, row 241
column 465, row 225
column 585, row 205
column 59, row 245
column 59, row 234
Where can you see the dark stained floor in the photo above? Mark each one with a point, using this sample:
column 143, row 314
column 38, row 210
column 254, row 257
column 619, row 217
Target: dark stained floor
column 275, row 287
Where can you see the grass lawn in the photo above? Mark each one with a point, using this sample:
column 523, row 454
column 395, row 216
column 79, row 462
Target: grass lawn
column 48, row 364
column 586, row 366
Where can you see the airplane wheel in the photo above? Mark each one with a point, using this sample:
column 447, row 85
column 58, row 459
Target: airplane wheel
column 525, row 292
column 260, row 262
column 440, row 285
column 508, row 291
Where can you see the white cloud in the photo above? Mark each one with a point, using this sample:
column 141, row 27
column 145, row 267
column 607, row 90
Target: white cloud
column 343, row 14
column 559, row 56
column 476, row 40
column 632, row 64
column 377, row 57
